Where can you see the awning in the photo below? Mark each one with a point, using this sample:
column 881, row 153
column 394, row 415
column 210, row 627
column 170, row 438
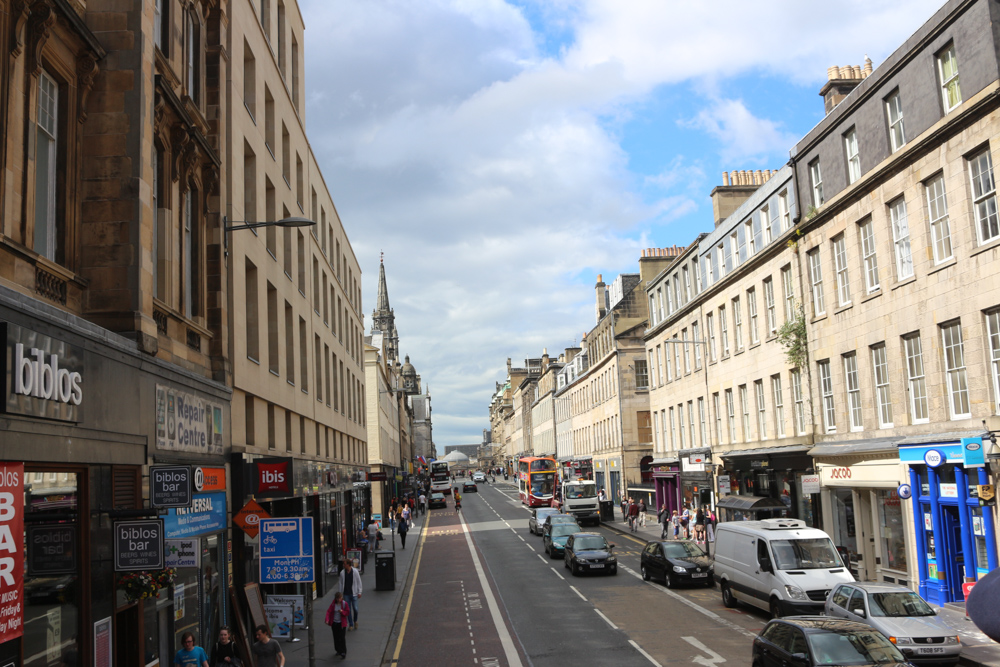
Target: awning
column 766, row 451
column 849, row 447
column 750, row 503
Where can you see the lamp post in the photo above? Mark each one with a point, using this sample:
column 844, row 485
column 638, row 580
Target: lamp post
column 246, row 224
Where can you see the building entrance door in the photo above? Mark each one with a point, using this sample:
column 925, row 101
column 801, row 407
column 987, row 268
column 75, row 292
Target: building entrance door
column 953, row 557
column 866, row 539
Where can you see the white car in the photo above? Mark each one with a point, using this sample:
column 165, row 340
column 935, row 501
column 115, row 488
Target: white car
column 479, row 477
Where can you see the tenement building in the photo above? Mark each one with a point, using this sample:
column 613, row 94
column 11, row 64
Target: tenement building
column 850, row 356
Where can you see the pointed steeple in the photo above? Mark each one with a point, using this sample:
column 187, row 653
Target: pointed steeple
column 383, row 319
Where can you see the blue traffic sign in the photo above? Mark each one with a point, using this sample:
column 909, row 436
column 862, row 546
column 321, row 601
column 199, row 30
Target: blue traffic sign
column 286, row 551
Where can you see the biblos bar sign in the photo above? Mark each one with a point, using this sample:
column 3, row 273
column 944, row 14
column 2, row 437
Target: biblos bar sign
column 11, row 551
column 44, row 376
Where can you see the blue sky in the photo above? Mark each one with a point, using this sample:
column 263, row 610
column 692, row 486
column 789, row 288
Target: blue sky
column 502, row 154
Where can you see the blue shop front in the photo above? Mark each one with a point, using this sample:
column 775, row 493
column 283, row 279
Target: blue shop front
column 955, row 536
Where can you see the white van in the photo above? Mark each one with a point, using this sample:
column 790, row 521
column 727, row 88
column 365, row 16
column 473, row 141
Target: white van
column 779, row 565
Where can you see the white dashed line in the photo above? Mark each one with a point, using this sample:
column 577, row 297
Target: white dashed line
column 573, row 588
column 606, row 619
column 542, row 557
column 556, row 572
column 646, row 655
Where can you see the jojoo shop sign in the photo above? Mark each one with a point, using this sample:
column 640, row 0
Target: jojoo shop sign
column 11, row 551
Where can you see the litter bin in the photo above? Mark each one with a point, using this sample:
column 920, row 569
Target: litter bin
column 385, row 570
column 607, row 510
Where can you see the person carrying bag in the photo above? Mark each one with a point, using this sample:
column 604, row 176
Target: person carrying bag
column 336, row 618
column 225, row 653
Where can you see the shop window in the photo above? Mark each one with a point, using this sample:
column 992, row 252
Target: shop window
column 893, row 543
column 979, row 536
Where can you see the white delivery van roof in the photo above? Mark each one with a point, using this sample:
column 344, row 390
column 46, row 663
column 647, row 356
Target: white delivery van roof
column 770, row 529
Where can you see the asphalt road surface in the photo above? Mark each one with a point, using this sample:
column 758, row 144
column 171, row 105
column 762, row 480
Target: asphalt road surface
column 483, row 592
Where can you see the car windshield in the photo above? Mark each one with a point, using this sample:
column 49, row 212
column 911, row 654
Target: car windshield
column 805, row 554
column 561, row 518
column 563, row 529
column 541, row 515
column 580, row 491
column 853, row 648
column 682, row 550
column 903, row 603
column 591, row 543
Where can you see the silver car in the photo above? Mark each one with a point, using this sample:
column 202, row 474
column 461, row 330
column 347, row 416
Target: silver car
column 899, row 614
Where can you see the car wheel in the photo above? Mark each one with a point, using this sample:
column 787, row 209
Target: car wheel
column 728, row 600
column 565, row 563
column 669, row 582
column 645, row 573
column 710, row 583
column 573, row 569
column 775, row 608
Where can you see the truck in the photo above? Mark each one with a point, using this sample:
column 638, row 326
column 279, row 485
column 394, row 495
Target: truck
column 579, row 498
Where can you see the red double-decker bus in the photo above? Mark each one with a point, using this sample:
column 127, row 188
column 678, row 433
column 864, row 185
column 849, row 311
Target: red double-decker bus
column 536, row 480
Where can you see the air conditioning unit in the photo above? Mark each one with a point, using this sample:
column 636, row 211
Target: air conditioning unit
column 782, row 524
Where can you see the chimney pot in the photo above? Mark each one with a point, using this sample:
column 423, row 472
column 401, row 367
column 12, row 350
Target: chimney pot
column 832, row 72
column 856, row 71
column 845, row 72
column 599, row 278
column 725, row 178
column 757, row 178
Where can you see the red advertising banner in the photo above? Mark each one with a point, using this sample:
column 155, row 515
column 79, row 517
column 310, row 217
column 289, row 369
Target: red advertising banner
column 11, row 551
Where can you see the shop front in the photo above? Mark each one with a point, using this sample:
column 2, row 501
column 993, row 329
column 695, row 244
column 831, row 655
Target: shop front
column 774, row 472
column 955, row 535
column 666, row 483
column 697, row 479
column 862, row 510
column 608, row 476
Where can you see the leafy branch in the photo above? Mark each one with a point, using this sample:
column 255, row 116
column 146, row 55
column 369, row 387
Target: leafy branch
column 792, row 336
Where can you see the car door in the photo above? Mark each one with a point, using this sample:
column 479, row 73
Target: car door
column 659, row 561
column 773, row 649
column 838, row 601
column 546, row 536
column 855, row 604
column 568, row 549
column 532, row 521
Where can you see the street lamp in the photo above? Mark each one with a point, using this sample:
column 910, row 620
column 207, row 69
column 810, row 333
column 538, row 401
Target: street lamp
column 294, row 221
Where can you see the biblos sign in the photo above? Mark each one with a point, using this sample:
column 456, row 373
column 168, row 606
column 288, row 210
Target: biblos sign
column 44, row 376
column 11, row 551
column 51, row 550
column 274, row 476
column 170, row 486
column 138, row 545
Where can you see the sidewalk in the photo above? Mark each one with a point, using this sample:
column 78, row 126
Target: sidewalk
column 978, row 650
column 376, row 614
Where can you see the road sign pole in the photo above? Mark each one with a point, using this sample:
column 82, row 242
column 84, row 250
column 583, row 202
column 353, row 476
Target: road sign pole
column 309, row 626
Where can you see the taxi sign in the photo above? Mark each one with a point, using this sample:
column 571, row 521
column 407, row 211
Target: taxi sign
column 249, row 517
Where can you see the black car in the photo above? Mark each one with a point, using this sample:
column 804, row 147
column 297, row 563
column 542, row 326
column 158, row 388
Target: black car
column 808, row 641
column 470, row 487
column 436, row 500
column 677, row 562
column 589, row 552
column 554, row 536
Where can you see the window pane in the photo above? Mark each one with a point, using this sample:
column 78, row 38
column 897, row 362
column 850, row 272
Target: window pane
column 901, row 239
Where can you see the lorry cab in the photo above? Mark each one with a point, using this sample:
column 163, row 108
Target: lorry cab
column 779, row 565
column 579, row 498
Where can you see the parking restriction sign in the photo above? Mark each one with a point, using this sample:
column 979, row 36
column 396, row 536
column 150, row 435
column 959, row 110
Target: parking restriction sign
column 286, row 550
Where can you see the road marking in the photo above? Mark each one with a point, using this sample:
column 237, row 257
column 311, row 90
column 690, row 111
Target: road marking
column 557, row 573
column 646, row 655
column 715, row 658
column 409, row 600
column 530, row 547
column 573, row 588
column 513, row 659
column 694, row 605
column 520, row 538
column 542, row 557
column 608, row 620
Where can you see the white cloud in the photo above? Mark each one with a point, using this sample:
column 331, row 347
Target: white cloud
column 490, row 170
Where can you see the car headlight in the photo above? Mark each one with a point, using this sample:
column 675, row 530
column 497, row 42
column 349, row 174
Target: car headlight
column 612, row 559
column 795, row 593
column 952, row 641
column 680, row 570
column 901, row 641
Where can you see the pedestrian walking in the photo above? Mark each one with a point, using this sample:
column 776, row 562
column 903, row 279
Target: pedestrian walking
column 633, row 514
column 458, row 500
column 686, row 521
column 664, row 519
column 624, row 509
column 190, row 655
column 350, row 587
column 373, row 534
column 267, row 651
column 675, row 521
column 225, row 653
column 710, row 525
column 336, row 618
column 642, row 513
column 423, row 503
column 601, row 496
column 402, row 529
column 699, row 526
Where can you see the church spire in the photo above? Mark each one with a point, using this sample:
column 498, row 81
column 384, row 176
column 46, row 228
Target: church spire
column 383, row 319
column 382, row 302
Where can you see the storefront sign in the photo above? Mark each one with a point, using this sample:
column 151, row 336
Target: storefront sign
column 249, row 516
column 170, row 486
column 810, row 484
column 187, row 423
column 44, row 376
column 51, row 550
column 757, row 464
column 724, row 484
column 948, row 490
column 183, row 553
column 973, row 452
column 209, row 479
column 904, row 491
column 138, row 545
column 377, row 477
column 102, row 643
column 296, row 604
column 688, row 465
column 274, row 476
column 11, row 551
column 933, row 458
column 207, row 514
column 877, row 473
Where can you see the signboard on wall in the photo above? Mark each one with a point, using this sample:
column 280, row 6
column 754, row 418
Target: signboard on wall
column 207, row 514
column 170, row 486
column 138, row 545
column 43, row 376
column 51, row 550
column 187, row 423
column 11, row 554
column 183, row 553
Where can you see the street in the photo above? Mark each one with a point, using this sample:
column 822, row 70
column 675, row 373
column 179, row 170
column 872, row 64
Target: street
column 484, row 592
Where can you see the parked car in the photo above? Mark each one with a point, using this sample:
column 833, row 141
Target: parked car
column 808, row 641
column 470, row 487
column 899, row 614
column 589, row 552
column 479, row 477
column 554, row 536
column 779, row 565
column 436, row 500
column 538, row 514
column 677, row 562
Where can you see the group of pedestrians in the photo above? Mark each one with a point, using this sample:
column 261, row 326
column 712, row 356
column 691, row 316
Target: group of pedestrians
column 266, row 651
column 688, row 524
column 633, row 513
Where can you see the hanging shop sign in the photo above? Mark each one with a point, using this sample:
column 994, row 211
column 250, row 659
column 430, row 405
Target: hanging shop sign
column 273, row 476
column 43, row 375
column 810, row 484
column 138, row 545
column 973, row 452
column 187, row 422
column 183, row 553
column 249, row 517
column 51, row 550
column 724, row 486
column 207, row 514
column 905, row 491
column 170, row 486
column 209, row 479
column 11, row 552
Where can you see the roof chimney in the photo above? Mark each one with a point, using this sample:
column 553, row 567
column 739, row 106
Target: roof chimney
column 736, row 188
column 601, row 292
column 841, row 80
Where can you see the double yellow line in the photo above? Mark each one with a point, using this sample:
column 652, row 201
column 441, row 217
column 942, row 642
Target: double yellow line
column 413, row 583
